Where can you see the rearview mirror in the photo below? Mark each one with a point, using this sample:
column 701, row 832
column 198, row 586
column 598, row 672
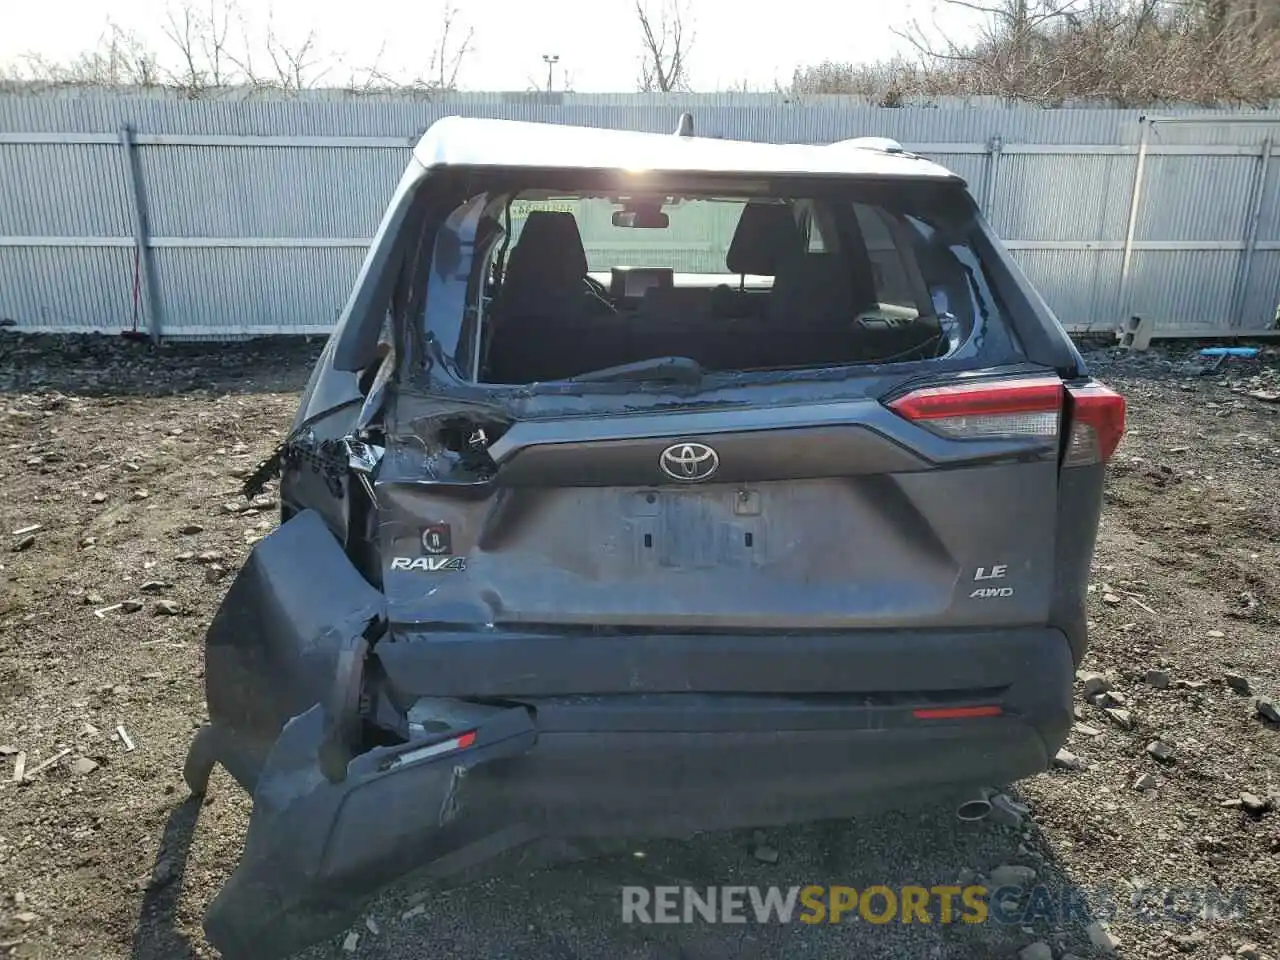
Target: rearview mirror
column 643, row 219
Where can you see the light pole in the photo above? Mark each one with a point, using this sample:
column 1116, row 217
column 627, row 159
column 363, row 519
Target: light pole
column 550, row 59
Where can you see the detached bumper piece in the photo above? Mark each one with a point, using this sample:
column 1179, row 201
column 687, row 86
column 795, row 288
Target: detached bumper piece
column 285, row 663
column 316, row 850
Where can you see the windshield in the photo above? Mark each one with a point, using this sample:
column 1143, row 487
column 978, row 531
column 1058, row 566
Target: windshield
column 540, row 285
column 695, row 241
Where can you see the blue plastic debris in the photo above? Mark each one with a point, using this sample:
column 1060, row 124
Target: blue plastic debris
column 1229, row 352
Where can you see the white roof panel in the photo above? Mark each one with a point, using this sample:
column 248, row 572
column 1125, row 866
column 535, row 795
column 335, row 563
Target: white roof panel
column 472, row 142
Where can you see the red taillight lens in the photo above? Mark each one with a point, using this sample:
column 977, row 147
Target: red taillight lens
column 987, row 410
column 1097, row 424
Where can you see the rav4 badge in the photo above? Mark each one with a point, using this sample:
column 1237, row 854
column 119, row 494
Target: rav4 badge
column 429, row 564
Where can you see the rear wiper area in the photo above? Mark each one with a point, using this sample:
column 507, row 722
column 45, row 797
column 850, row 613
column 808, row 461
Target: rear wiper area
column 670, row 369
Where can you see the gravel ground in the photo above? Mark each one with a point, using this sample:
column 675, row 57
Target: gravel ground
column 125, row 456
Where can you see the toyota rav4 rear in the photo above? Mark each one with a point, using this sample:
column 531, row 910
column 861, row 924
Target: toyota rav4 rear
column 651, row 484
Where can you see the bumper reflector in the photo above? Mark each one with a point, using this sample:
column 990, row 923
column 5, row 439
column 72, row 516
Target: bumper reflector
column 436, row 749
column 957, row 713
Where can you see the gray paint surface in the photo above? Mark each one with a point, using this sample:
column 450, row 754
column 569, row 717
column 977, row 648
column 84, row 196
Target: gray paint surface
column 259, row 210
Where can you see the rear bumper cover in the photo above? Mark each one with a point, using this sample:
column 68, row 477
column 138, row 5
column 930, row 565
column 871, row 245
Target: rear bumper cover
column 775, row 740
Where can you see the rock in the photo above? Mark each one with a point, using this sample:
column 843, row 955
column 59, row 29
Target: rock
column 1266, row 708
column 1102, row 938
column 1161, row 750
column 190, row 529
column 89, row 730
column 1232, row 803
column 130, row 606
column 1255, row 804
column 1067, row 760
column 1215, row 634
column 1011, row 875
column 351, row 941
column 1191, row 942
column 210, row 556
column 1088, row 731
column 24, row 543
column 1006, row 811
column 99, row 497
column 372, row 924
column 1121, row 718
column 1036, row 951
column 1248, row 951
column 140, row 494
column 1158, row 678
column 1194, row 686
column 1239, row 683
column 166, row 608
column 83, row 766
column 1115, row 698
column 412, row 912
column 214, row 572
column 1111, row 599
column 7, row 750
column 184, row 556
column 765, row 853
column 88, row 541
column 1093, row 683
column 234, row 506
column 1144, row 782
column 26, row 916
column 154, row 586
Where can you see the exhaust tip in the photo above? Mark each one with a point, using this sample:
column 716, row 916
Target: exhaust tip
column 974, row 809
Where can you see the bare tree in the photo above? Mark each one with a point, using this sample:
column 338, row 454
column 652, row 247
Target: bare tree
column 295, row 66
column 199, row 37
column 120, row 59
column 664, row 65
column 1048, row 52
column 438, row 73
column 450, row 51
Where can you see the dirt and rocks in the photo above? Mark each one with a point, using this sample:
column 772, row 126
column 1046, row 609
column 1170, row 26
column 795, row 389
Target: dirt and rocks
column 121, row 527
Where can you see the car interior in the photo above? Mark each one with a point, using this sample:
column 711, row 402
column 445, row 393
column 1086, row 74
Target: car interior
column 802, row 284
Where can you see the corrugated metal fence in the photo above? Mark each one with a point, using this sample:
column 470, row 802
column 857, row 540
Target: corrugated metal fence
column 235, row 217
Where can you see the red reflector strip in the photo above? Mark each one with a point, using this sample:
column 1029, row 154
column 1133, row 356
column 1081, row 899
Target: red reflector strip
column 1034, row 395
column 957, row 713
column 437, row 749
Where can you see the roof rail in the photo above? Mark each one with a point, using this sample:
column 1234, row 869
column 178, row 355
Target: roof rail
column 883, row 144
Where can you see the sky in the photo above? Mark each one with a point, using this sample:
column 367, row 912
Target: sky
column 597, row 41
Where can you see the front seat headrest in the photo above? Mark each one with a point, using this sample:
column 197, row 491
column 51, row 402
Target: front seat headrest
column 766, row 236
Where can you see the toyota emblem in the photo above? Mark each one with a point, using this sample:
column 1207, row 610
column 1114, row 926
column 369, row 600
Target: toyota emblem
column 689, row 462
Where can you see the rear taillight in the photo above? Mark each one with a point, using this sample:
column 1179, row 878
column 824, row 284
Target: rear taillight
column 987, row 411
column 1096, row 415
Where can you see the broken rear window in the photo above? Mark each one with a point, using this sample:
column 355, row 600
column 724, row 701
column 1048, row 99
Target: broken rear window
column 543, row 285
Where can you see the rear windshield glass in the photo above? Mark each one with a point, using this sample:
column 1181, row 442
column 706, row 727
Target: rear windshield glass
column 547, row 285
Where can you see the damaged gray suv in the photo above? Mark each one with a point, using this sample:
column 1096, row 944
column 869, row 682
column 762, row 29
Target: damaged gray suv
column 651, row 484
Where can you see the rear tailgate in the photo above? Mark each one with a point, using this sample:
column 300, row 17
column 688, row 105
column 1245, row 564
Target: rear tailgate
column 924, row 507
